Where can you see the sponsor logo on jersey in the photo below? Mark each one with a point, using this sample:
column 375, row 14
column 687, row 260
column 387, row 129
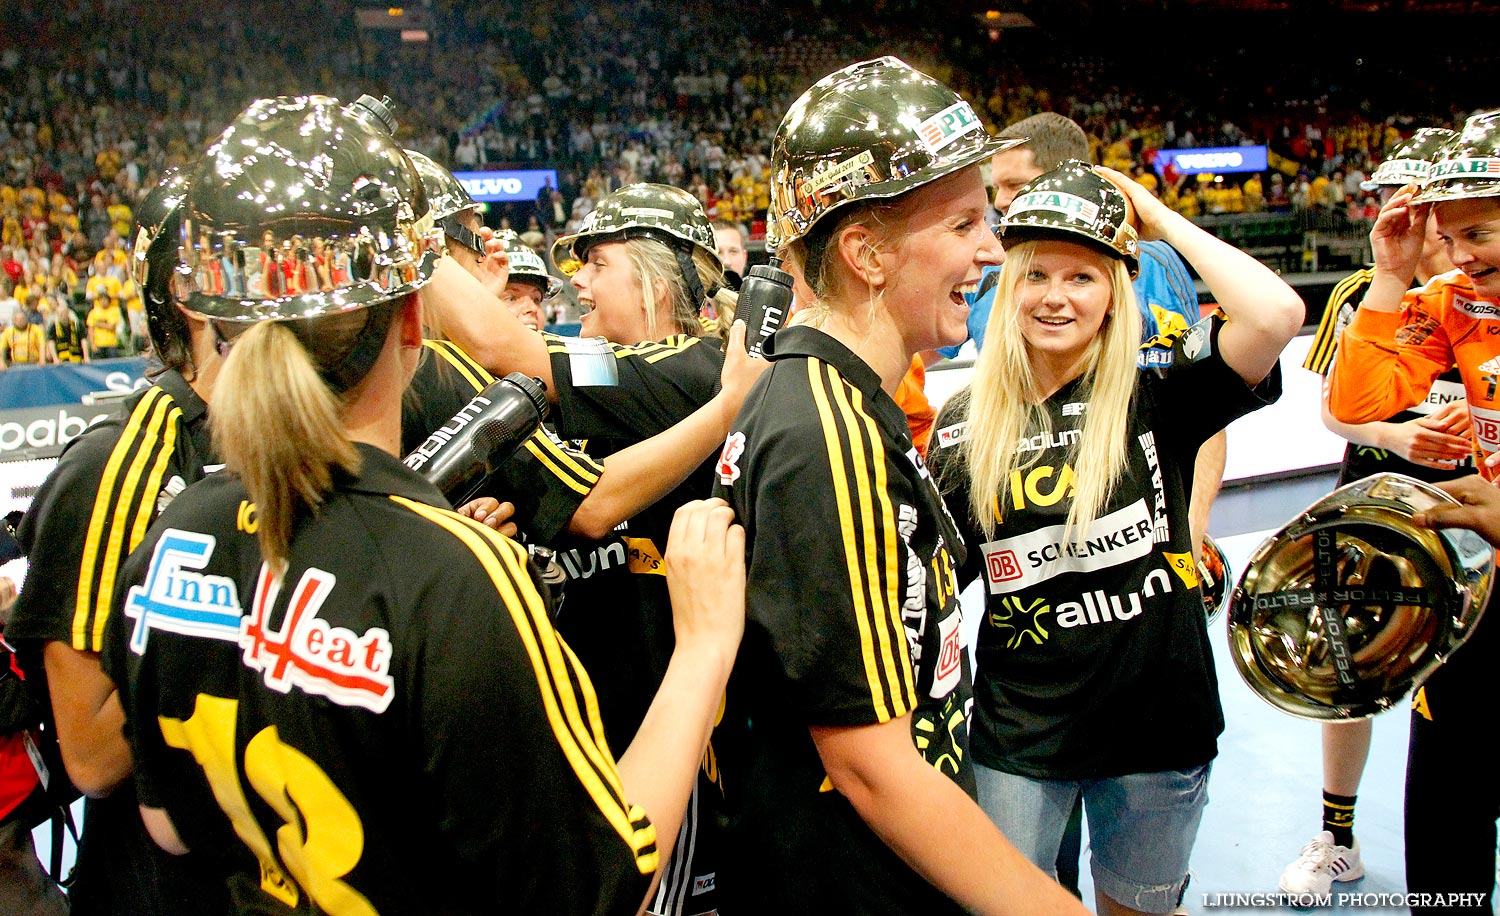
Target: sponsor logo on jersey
column 1486, row 426
column 729, row 458
column 1034, row 488
column 940, row 130
column 1041, row 441
column 1442, row 394
column 178, row 599
column 914, row 601
column 312, row 655
column 643, row 557
column 1074, row 408
column 1017, row 563
column 950, row 661
column 1019, row 620
column 1159, row 529
column 1195, row 344
column 581, row 564
column 703, row 884
column 1099, row 606
column 1153, row 358
column 953, row 435
column 1071, row 205
column 169, row 492
column 1483, row 309
column 1417, row 330
column 1491, row 365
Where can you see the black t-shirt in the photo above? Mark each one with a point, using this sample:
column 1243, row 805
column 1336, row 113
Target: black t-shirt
column 615, row 611
column 92, row 510
column 853, row 619
column 544, row 479
column 1093, row 658
column 371, row 723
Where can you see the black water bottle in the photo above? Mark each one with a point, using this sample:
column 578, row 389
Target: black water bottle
column 460, row 454
column 765, row 301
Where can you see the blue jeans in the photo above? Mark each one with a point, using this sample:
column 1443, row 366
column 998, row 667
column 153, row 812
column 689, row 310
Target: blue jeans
column 1141, row 827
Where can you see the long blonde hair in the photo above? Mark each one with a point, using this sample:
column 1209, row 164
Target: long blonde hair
column 1006, row 408
column 278, row 425
column 654, row 262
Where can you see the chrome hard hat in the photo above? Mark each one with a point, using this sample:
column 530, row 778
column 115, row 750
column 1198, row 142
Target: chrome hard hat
column 1349, row 606
column 1468, row 165
column 151, row 216
column 1074, row 203
column 1215, row 579
column 527, row 266
column 445, row 195
column 1410, row 161
column 871, row 131
column 314, row 206
column 669, row 215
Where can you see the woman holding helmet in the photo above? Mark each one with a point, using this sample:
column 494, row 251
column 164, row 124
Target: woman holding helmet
column 278, row 688
column 1071, row 472
column 849, row 764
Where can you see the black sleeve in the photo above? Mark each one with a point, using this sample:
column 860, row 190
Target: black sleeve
column 950, row 472
column 547, row 481
column 487, row 644
column 608, row 391
column 1200, row 391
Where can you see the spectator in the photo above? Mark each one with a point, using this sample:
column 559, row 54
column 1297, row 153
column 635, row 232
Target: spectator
column 22, row 344
column 104, row 329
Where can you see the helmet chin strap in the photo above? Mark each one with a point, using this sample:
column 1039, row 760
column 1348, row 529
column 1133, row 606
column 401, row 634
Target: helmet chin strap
column 690, row 276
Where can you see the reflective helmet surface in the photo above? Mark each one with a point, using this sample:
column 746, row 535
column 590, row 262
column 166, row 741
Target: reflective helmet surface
column 1343, row 611
column 1411, row 159
column 151, row 215
column 1468, row 165
column 1074, row 203
column 873, row 130
column 445, row 195
column 310, row 208
column 1215, row 579
column 670, row 215
column 527, row 266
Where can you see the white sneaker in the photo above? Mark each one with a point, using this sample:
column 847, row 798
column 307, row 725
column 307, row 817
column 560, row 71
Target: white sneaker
column 1322, row 862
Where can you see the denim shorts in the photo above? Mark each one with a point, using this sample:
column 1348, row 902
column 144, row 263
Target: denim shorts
column 1141, row 827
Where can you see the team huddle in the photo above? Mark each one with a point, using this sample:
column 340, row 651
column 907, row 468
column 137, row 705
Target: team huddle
column 696, row 646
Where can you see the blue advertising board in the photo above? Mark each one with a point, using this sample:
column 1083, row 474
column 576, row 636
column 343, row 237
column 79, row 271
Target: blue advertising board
column 489, row 187
column 1213, row 160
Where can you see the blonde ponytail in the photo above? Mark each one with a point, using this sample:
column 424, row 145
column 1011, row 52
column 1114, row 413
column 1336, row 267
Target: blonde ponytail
column 278, row 426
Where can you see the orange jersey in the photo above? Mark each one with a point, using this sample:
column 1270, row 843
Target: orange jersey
column 1388, row 361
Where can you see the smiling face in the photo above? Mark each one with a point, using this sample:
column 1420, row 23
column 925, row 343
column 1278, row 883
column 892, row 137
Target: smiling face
column 1061, row 303
column 1470, row 228
column 610, row 295
column 939, row 260
column 525, row 302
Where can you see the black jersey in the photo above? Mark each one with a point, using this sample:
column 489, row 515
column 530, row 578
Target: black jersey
column 93, row 509
column 616, row 612
column 853, row 619
column 1093, row 658
column 394, row 727
column 1364, row 460
column 544, row 479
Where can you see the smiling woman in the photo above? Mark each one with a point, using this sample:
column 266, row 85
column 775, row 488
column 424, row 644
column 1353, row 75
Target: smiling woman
column 1070, row 470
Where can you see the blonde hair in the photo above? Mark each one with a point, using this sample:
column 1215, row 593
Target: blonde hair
column 654, row 262
column 1006, row 407
column 815, row 255
column 278, row 425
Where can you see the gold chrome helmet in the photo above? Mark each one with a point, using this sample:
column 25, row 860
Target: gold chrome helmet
column 1343, row 611
column 873, row 130
column 1410, row 160
column 1074, row 203
column 526, row 266
column 446, row 198
column 1467, row 165
column 315, row 203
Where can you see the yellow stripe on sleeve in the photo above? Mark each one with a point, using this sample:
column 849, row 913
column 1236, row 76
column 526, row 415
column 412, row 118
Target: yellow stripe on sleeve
column 565, row 466
column 106, row 527
column 573, row 726
column 473, row 373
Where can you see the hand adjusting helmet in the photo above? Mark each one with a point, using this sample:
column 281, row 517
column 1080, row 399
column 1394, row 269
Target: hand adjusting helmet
column 1468, row 165
column 1409, row 160
column 323, row 210
column 669, row 215
column 526, row 266
column 871, row 131
column 1349, row 606
column 1074, row 203
column 446, row 199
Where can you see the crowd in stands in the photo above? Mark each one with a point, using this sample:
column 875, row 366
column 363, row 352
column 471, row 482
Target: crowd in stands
column 98, row 97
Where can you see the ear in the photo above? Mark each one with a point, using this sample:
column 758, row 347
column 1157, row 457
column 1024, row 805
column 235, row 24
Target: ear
column 859, row 254
column 411, row 322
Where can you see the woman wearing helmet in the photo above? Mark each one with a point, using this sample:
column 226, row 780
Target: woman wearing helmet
column 845, row 739
column 85, row 520
column 1071, row 471
column 294, row 673
column 1399, row 342
column 530, row 286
